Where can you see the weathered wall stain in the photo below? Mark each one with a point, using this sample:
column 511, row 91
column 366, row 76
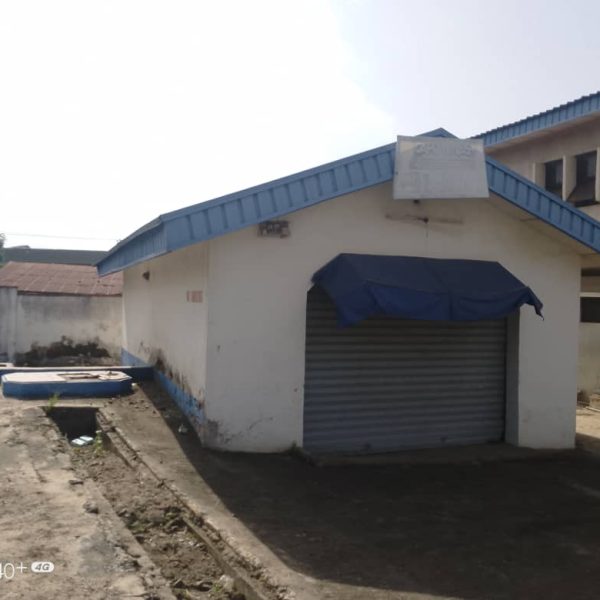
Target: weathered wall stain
column 64, row 351
column 176, row 385
column 37, row 328
column 215, row 434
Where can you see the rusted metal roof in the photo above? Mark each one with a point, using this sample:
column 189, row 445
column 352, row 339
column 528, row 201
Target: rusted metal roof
column 68, row 280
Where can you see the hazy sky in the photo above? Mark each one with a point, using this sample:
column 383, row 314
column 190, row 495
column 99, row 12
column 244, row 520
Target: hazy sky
column 112, row 112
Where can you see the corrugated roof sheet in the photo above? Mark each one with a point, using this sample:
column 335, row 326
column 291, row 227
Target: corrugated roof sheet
column 52, row 255
column 71, row 280
column 582, row 107
column 548, row 208
column 277, row 198
column 217, row 217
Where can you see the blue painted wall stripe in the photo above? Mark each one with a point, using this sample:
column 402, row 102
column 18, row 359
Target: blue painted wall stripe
column 188, row 404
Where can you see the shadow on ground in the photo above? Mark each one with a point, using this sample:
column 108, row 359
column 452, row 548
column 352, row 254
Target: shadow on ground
column 524, row 529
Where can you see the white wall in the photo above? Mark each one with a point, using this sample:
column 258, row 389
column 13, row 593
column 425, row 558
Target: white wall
column 8, row 323
column 160, row 320
column 563, row 143
column 589, row 357
column 569, row 141
column 43, row 320
column 256, row 323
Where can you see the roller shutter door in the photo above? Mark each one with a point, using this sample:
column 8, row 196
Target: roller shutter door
column 387, row 384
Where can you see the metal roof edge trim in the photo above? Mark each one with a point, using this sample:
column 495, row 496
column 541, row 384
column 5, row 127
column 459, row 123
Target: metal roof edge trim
column 182, row 224
column 210, row 219
column 143, row 244
column 439, row 132
column 28, row 293
column 523, row 193
column 207, row 220
column 256, row 189
column 569, row 111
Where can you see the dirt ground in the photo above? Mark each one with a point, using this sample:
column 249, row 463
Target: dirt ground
column 474, row 530
column 47, row 513
column 156, row 519
column 494, row 526
column 588, row 429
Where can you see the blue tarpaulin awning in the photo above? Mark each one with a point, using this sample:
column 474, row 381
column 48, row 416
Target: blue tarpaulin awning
column 432, row 289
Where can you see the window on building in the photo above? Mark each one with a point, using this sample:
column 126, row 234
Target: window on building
column 590, row 309
column 554, row 177
column 585, row 180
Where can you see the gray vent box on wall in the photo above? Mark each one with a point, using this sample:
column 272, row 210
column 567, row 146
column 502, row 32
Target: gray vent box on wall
column 439, row 168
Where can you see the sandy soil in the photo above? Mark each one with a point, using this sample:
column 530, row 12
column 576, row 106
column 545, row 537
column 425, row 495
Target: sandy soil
column 47, row 513
column 588, row 430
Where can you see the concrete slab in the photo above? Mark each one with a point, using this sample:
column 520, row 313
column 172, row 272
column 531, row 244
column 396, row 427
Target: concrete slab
column 136, row 373
column 37, row 384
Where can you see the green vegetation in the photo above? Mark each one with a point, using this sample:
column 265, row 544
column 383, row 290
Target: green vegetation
column 98, row 443
column 52, row 402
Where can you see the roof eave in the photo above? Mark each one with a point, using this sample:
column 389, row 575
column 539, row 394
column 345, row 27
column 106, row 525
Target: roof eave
column 284, row 196
column 545, row 121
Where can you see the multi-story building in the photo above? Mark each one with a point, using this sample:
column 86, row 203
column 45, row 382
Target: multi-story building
column 558, row 150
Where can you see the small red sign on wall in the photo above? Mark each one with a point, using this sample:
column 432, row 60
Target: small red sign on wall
column 194, row 295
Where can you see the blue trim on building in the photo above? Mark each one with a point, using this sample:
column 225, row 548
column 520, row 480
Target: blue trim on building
column 582, row 107
column 248, row 207
column 188, row 404
column 275, row 199
column 522, row 193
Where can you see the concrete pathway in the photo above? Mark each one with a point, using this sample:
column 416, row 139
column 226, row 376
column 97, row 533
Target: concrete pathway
column 494, row 525
column 48, row 514
column 145, row 428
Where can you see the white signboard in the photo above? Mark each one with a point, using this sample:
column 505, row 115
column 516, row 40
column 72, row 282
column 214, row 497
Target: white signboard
column 433, row 167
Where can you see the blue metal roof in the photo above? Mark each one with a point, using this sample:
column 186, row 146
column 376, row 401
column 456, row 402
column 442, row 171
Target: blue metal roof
column 277, row 198
column 229, row 213
column 582, row 107
column 548, row 208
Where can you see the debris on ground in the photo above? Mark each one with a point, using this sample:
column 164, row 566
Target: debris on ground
column 83, row 440
column 49, row 517
column 91, row 507
column 158, row 522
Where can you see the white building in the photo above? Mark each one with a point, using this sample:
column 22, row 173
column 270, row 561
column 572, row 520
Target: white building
column 219, row 297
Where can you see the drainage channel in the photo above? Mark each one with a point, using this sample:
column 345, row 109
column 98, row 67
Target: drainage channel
column 169, row 534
